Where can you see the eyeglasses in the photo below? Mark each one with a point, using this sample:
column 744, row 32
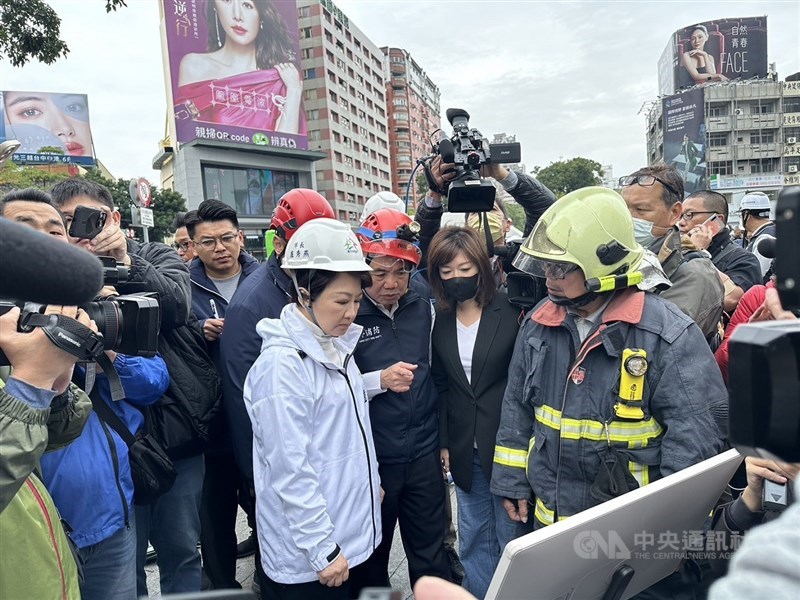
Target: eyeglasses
column 227, row 240
column 557, row 270
column 691, row 214
column 182, row 246
column 645, row 181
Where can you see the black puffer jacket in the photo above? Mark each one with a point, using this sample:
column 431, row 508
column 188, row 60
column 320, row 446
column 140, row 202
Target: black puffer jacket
column 181, row 419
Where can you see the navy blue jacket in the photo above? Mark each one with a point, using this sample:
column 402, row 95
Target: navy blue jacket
column 261, row 296
column 405, row 426
column 204, row 290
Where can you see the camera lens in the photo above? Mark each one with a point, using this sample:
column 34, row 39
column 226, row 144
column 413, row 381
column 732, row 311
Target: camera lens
column 107, row 316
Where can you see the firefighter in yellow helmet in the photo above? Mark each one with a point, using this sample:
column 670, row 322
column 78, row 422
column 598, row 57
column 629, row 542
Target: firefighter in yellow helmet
column 610, row 387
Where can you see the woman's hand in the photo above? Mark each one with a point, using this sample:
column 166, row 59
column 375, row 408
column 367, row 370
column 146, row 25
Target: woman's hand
column 336, row 573
column 445, row 454
column 290, row 77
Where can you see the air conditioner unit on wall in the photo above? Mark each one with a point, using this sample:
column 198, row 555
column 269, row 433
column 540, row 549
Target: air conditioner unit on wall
column 738, row 112
column 791, row 140
column 792, row 169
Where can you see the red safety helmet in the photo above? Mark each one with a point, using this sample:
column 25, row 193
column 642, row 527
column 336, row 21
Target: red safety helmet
column 389, row 232
column 296, row 207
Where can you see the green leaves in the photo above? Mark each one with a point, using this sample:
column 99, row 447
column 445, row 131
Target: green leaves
column 565, row 176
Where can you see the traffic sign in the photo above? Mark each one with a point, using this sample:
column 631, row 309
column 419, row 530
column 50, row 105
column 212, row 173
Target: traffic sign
column 146, row 216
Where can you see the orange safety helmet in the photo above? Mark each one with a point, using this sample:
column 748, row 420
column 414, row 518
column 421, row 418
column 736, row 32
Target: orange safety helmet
column 296, row 207
column 389, row 232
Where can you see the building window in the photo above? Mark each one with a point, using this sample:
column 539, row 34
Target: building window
column 720, row 168
column 716, row 110
column 310, row 73
column 307, row 52
column 314, row 135
column 762, row 137
column 718, row 138
column 304, row 11
column 313, row 114
column 252, row 192
column 763, row 109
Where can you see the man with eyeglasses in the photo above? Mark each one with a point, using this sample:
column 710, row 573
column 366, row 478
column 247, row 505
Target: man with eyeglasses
column 182, row 242
column 394, row 354
column 704, row 222
column 181, row 419
column 217, row 271
column 654, row 196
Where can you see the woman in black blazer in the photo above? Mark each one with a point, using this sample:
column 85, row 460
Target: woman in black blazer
column 473, row 339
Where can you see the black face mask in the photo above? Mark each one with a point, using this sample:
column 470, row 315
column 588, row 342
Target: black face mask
column 460, row 289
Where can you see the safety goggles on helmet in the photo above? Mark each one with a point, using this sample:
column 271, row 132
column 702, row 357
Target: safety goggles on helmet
column 390, row 243
column 552, row 269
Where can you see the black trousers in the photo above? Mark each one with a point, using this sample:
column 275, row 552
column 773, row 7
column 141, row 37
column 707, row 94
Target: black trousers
column 360, row 577
column 220, row 502
column 414, row 497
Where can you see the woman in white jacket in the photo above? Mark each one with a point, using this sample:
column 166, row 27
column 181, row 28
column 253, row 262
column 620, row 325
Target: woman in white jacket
column 316, row 477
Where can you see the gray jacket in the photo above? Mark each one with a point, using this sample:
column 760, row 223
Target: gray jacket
column 696, row 288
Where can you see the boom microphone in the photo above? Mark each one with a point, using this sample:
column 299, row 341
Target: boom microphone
column 766, row 246
column 447, row 151
column 36, row 268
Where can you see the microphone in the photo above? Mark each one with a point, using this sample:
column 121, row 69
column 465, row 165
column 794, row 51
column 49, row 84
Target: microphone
column 447, row 151
column 766, row 246
column 36, row 268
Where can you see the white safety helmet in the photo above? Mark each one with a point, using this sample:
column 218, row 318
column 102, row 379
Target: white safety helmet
column 382, row 200
column 326, row 245
column 755, row 202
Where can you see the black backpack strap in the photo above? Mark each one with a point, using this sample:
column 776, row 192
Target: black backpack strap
column 107, row 415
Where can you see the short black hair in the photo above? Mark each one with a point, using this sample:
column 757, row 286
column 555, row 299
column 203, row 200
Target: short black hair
column 179, row 220
column 210, row 211
column 27, row 195
column 668, row 173
column 316, row 280
column 712, row 201
column 66, row 190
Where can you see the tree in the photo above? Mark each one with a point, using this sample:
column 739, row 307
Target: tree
column 516, row 213
column 166, row 203
column 31, row 30
column 15, row 177
column 564, row 176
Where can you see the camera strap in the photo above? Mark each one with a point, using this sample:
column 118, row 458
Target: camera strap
column 78, row 340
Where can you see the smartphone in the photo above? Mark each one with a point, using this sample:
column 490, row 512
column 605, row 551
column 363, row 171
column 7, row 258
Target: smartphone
column 87, row 222
column 709, row 219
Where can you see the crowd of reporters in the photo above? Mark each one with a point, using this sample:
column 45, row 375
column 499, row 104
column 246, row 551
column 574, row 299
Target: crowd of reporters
column 432, row 368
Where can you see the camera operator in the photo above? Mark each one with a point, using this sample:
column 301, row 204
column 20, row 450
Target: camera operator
column 531, row 195
column 103, row 530
column 180, row 420
column 39, row 411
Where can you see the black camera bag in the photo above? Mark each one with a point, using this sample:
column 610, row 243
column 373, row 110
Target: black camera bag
column 151, row 469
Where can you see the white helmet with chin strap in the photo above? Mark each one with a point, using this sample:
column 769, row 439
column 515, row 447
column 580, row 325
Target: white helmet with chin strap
column 325, row 245
column 382, row 200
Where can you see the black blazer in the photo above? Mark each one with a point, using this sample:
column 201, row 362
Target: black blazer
column 471, row 412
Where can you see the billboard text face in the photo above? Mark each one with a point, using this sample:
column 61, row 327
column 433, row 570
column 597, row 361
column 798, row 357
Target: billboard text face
column 234, row 71
column 715, row 51
column 46, row 123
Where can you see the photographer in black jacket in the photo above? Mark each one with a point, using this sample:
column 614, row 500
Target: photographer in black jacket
column 180, row 419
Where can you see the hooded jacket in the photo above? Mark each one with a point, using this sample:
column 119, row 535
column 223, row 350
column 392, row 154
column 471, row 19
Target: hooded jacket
column 316, row 476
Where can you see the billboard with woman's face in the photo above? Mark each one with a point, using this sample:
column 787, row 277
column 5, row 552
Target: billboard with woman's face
column 714, row 51
column 50, row 127
column 234, row 71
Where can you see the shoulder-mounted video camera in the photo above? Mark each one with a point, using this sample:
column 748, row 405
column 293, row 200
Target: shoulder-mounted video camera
column 469, row 192
column 127, row 324
column 764, row 369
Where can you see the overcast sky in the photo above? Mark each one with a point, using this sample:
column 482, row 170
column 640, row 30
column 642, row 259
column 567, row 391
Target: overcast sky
column 568, row 78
